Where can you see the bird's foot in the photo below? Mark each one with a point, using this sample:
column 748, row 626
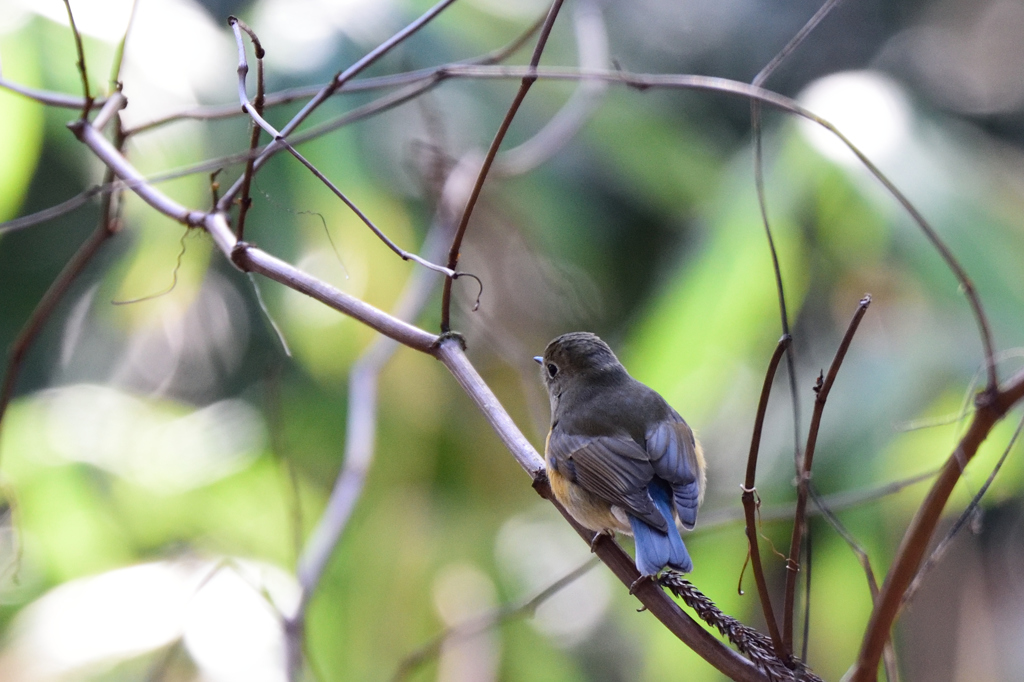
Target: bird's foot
column 638, row 582
column 597, row 538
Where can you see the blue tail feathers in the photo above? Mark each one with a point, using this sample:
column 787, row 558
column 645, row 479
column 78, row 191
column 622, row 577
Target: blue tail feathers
column 656, row 550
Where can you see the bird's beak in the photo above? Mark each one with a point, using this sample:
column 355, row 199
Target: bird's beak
column 539, row 359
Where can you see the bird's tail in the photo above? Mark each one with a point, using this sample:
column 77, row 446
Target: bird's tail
column 654, row 549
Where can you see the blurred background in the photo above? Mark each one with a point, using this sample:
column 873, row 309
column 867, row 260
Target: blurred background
column 163, row 461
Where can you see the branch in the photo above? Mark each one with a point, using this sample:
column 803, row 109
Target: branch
column 361, row 85
column 799, row 517
column 86, row 93
column 245, row 201
column 483, row 623
column 361, row 424
column 50, row 99
column 992, row 406
column 964, row 518
column 449, row 351
column 592, row 46
column 105, row 228
column 749, row 504
column 243, row 69
column 492, row 151
column 338, row 81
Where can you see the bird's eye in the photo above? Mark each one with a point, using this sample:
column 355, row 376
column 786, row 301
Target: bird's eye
column 552, row 370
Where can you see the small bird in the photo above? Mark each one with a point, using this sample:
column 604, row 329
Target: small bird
column 618, row 457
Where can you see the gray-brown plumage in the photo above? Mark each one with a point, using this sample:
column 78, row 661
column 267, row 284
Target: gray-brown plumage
column 618, row 456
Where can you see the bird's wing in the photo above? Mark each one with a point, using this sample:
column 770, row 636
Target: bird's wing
column 615, row 469
column 676, row 457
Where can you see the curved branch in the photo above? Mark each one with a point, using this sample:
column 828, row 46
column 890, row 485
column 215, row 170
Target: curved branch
column 992, row 406
column 749, row 505
column 492, row 152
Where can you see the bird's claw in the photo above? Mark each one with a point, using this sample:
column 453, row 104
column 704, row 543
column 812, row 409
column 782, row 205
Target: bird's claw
column 638, row 582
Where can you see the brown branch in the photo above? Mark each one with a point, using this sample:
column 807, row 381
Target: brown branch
column 762, row 202
column 889, row 655
column 72, row 204
column 799, row 517
column 492, row 151
column 86, row 92
column 107, row 227
column 992, row 406
column 338, row 81
column 964, row 517
column 749, row 503
column 245, row 201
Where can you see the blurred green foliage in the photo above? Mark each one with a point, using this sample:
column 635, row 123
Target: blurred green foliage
column 645, row 228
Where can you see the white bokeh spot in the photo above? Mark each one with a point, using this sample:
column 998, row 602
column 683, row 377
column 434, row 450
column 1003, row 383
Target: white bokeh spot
column 867, row 107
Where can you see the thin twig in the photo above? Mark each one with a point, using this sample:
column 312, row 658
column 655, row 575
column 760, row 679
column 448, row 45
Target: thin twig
column 338, row 81
column 821, row 390
column 361, row 85
column 592, row 42
column 992, row 406
column 891, row 669
column 836, row 502
column 750, row 504
column 967, row 514
column 72, row 204
column 82, row 71
column 360, row 437
column 105, row 228
column 492, row 151
column 47, row 97
column 118, row 61
column 487, row 621
column 278, row 137
column 762, row 202
column 245, row 201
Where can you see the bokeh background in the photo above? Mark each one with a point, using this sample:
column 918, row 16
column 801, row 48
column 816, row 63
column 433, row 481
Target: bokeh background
column 163, row 461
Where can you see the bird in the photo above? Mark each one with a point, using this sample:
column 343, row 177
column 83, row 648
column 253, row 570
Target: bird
column 617, row 456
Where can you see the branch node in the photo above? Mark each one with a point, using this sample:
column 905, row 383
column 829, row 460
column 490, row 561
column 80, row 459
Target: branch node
column 449, row 335
column 239, row 255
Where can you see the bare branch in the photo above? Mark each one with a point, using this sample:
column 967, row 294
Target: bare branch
column 492, row 151
column 592, row 41
column 118, row 61
column 992, row 406
column 749, row 504
column 799, row 519
column 351, row 86
column 338, row 81
column 965, row 516
column 245, row 201
column 243, row 68
column 106, row 227
column 361, row 424
column 86, row 93
column 72, row 204
column 487, row 621
column 50, row 99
